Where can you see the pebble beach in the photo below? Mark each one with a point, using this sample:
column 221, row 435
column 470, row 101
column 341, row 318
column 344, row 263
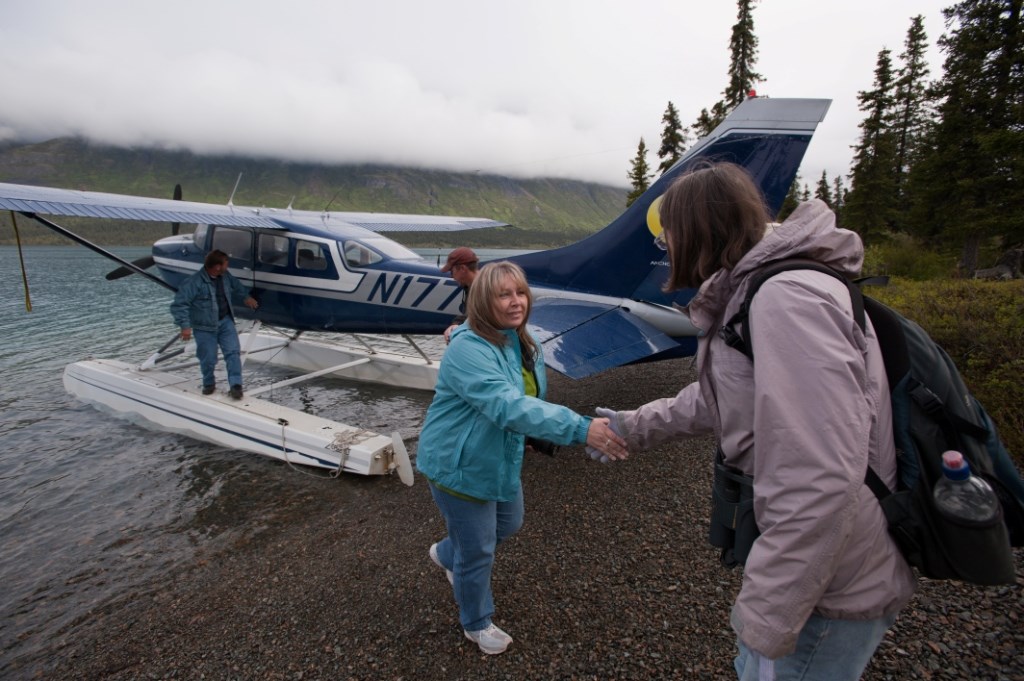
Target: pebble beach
column 611, row 577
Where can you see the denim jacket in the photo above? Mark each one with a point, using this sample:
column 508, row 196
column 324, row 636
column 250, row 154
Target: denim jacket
column 473, row 438
column 195, row 303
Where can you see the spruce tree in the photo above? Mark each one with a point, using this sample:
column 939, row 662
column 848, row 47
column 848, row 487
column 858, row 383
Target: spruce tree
column 871, row 202
column 639, row 174
column 823, row 191
column 969, row 182
column 673, row 139
column 838, row 198
column 743, row 47
column 709, row 120
column 912, row 110
column 791, row 201
column 742, row 77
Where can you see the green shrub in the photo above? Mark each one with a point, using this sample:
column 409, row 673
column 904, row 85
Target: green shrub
column 903, row 256
column 981, row 325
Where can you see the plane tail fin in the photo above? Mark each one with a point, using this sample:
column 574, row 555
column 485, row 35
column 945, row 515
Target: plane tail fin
column 766, row 136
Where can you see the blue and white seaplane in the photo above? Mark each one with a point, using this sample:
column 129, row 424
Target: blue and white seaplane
column 598, row 302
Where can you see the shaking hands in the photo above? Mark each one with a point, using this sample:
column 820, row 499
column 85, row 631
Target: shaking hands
column 604, row 442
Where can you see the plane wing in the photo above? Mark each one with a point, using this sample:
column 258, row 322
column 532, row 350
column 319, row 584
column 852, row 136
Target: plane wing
column 582, row 338
column 51, row 201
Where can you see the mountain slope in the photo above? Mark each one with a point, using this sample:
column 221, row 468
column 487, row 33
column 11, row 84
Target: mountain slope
column 543, row 212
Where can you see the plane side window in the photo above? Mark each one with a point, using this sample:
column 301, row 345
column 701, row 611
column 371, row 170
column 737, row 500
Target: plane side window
column 357, row 255
column 309, row 255
column 273, row 250
column 237, row 243
column 199, row 236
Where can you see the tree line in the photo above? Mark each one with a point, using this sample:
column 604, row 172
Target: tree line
column 939, row 162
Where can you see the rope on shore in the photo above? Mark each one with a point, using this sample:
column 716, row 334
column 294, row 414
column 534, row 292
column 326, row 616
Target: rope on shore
column 343, row 442
column 284, row 450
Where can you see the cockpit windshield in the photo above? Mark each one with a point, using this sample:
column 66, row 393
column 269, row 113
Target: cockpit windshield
column 389, row 248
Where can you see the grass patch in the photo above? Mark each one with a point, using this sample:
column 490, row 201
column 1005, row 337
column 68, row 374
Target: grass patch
column 981, row 325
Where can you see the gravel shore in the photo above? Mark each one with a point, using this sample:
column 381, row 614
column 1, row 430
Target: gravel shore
column 611, row 577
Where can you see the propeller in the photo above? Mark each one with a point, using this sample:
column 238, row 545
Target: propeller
column 141, row 263
column 146, row 262
column 175, row 226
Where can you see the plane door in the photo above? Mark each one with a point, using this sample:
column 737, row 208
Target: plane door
column 238, row 244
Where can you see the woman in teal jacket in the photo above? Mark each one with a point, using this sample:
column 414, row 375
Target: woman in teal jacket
column 489, row 397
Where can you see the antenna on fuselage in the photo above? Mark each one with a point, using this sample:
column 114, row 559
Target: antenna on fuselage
column 231, row 199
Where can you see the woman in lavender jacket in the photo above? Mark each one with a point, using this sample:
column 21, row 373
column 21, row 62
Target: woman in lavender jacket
column 824, row 580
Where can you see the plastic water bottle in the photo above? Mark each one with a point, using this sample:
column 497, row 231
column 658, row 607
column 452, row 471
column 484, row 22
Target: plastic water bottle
column 961, row 494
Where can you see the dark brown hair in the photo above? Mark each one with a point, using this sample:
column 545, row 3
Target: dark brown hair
column 711, row 217
column 483, row 299
column 214, row 258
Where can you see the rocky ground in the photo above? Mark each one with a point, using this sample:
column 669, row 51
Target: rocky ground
column 610, row 578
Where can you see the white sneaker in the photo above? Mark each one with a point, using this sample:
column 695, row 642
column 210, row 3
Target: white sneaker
column 437, row 561
column 491, row 640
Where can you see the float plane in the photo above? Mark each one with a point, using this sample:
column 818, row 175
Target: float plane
column 598, row 303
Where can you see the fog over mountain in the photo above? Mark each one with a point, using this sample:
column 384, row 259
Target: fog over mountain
column 529, row 89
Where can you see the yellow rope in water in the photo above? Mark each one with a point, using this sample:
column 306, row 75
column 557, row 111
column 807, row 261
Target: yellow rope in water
column 21, row 257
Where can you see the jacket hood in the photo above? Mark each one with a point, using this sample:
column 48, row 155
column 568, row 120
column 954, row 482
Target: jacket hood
column 809, row 232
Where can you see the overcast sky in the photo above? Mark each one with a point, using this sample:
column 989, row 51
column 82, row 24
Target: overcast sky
column 558, row 88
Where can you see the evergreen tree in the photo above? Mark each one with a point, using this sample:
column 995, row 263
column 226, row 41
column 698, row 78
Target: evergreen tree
column 743, row 46
column 871, row 204
column 969, row 183
column 805, row 195
column 742, row 77
column 911, row 108
column 791, row 201
column 639, row 174
column 673, row 139
column 838, row 198
column 709, row 120
column 823, row 191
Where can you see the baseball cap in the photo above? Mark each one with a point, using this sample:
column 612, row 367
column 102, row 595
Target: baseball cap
column 460, row 256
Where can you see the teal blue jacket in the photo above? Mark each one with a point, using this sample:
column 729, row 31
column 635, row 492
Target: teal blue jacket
column 195, row 303
column 473, row 438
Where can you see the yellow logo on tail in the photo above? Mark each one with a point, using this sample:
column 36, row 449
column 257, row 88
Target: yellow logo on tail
column 654, row 223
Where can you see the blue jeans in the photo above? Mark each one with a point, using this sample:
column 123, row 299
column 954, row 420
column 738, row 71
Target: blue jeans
column 474, row 531
column 826, row 650
column 206, row 351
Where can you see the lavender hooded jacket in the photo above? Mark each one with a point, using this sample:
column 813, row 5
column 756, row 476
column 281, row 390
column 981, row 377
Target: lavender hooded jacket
column 805, row 420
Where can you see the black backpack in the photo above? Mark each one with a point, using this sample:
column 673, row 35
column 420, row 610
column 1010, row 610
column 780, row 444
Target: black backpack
column 932, row 412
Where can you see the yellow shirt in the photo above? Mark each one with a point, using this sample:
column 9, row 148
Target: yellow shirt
column 529, row 382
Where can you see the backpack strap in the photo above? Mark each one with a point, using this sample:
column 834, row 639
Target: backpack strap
column 872, row 480
column 892, row 337
column 740, row 340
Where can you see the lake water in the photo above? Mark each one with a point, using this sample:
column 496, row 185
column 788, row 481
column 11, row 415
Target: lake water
column 93, row 508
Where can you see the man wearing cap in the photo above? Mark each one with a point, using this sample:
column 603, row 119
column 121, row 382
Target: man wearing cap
column 462, row 263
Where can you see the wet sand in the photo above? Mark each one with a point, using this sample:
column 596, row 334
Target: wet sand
column 610, row 578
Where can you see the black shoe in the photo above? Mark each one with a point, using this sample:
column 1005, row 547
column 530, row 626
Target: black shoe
column 208, row 389
column 235, row 392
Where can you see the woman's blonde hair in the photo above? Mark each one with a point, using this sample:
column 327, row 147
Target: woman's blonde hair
column 711, row 217
column 481, row 306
